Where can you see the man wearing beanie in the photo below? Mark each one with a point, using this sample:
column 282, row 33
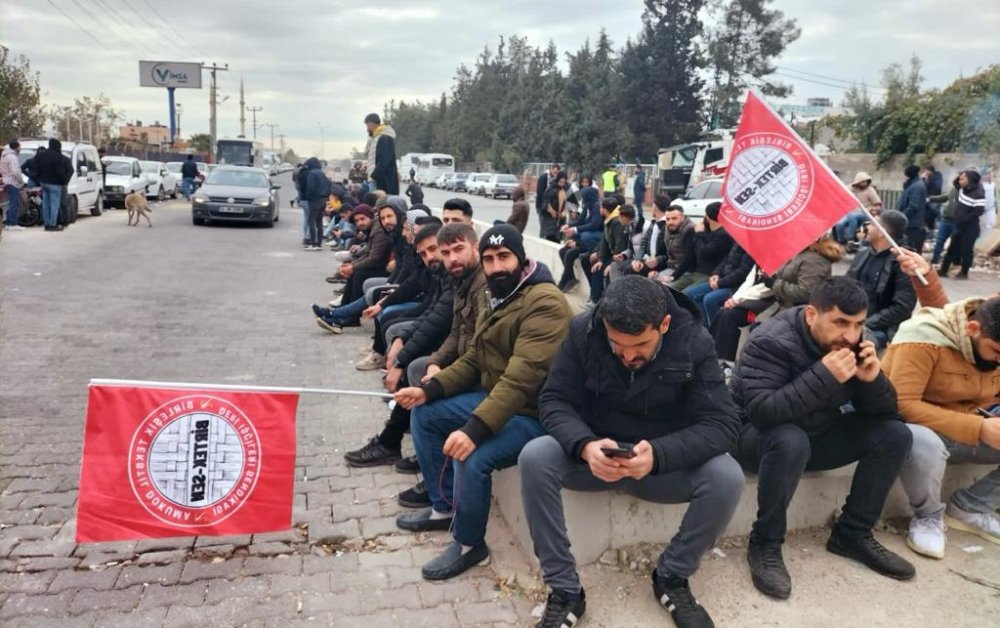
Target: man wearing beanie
column 482, row 409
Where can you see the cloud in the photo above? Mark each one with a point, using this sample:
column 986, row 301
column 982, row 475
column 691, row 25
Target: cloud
column 317, row 62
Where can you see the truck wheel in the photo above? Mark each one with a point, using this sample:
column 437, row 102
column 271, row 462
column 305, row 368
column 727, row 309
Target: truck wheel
column 98, row 207
column 161, row 194
column 73, row 209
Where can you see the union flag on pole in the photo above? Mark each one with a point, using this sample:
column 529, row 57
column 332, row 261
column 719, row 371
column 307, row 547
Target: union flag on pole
column 163, row 462
column 778, row 196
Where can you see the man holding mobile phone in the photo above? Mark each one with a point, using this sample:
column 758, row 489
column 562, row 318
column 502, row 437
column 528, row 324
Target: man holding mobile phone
column 639, row 369
column 945, row 365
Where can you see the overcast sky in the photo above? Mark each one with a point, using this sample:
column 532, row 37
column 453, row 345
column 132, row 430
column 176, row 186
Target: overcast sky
column 310, row 63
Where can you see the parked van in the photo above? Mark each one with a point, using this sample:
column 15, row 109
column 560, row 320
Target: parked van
column 84, row 191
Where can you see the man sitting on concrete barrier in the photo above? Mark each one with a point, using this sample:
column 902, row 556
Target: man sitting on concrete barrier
column 814, row 398
column 635, row 402
column 945, row 365
column 481, row 410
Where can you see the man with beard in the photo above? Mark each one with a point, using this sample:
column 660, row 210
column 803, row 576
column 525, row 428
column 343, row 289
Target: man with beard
column 814, row 397
column 482, row 409
column 381, row 151
column 635, row 402
column 945, row 365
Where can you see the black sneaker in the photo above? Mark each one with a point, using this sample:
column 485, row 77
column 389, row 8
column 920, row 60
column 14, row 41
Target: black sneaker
column 869, row 552
column 563, row 610
column 452, row 562
column 320, row 311
column 421, row 521
column 767, row 569
column 570, row 285
column 373, row 454
column 674, row 594
column 408, row 465
column 416, row 497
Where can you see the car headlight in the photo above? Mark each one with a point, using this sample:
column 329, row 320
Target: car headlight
column 118, row 188
column 198, row 199
column 263, row 201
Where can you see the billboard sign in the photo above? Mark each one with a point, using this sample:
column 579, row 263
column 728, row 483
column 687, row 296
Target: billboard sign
column 169, row 74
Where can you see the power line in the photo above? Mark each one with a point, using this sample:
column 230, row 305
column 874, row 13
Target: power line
column 184, row 41
column 847, row 83
column 77, row 24
column 817, row 82
column 127, row 28
column 101, row 24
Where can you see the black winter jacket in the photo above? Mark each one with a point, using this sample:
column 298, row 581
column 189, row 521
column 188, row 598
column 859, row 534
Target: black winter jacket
column 706, row 251
column 432, row 326
column 892, row 299
column 679, row 402
column 733, row 270
column 53, row 167
column 780, row 379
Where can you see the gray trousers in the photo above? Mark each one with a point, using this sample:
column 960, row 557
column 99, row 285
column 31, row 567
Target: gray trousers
column 713, row 490
column 371, row 285
column 417, row 369
column 923, row 472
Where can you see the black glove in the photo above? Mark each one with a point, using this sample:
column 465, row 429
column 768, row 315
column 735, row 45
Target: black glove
column 768, row 280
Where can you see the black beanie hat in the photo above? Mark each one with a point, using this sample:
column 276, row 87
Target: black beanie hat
column 503, row 235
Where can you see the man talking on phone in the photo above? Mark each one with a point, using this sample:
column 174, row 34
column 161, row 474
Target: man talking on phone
column 635, row 402
column 814, row 398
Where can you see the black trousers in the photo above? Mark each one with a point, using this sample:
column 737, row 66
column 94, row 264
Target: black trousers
column 961, row 249
column 729, row 323
column 781, row 454
column 915, row 236
column 379, row 344
column 316, row 223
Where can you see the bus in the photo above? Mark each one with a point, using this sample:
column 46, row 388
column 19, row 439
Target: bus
column 239, row 152
column 406, row 163
column 433, row 165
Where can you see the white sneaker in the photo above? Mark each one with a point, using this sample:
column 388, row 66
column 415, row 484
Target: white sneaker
column 985, row 525
column 926, row 537
column 373, row 362
column 16, row 228
column 335, row 302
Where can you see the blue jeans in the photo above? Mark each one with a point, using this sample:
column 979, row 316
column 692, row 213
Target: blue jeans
column 708, row 301
column 305, row 218
column 186, row 184
column 944, row 231
column 399, row 308
column 13, row 206
column 51, row 199
column 847, row 227
column 468, row 485
column 349, row 311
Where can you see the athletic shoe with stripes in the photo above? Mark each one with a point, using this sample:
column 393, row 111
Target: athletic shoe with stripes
column 562, row 610
column 674, row 594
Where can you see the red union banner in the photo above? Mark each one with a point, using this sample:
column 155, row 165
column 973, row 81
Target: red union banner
column 161, row 462
column 777, row 196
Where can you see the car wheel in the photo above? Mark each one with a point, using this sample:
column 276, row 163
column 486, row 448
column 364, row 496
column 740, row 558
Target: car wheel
column 161, row 194
column 277, row 214
column 98, row 207
column 74, row 208
column 197, row 221
column 175, row 193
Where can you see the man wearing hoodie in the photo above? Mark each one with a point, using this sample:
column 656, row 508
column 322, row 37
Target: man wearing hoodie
column 970, row 205
column 381, row 152
column 913, row 203
column 53, row 170
column 482, row 409
column 637, row 374
column 12, row 181
column 518, row 210
column 315, row 189
column 945, row 365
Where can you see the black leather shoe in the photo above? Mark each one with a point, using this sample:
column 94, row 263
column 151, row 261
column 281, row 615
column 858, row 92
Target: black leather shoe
column 767, row 569
column 872, row 554
column 416, row 497
column 452, row 562
column 421, row 521
column 373, row 454
column 408, row 465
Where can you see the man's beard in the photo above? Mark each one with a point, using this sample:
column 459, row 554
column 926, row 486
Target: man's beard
column 983, row 365
column 502, row 284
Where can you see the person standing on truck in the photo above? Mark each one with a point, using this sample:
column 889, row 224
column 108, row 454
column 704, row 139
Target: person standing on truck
column 382, row 155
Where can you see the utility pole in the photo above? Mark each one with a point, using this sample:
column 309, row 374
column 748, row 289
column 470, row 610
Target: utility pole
column 178, row 108
column 322, row 146
column 243, row 117
column 281, row 142
column 254, row 111
column 213, row 98
column 271, row 125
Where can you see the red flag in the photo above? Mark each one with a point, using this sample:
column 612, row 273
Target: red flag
column 777, row 197
column 167, row 462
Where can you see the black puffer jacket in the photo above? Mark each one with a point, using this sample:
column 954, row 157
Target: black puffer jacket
column 706, row 251
column 892, row 298
column 678, row 402
column 417, row 283
column 780, row 379
column 432, row 325
column 734, row 269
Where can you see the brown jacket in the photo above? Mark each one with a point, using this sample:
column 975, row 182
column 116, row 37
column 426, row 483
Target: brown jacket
column 518, row 211
column 469, row 300
column 795, row 281
column 931, row 364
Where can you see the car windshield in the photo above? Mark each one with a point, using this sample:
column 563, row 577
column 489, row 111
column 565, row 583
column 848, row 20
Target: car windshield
column 118, row 167
column 25, row 155
column 238, row 179
column 174, row 166
column 149, row 166
column 684, row 157
column 441, row 161
column 507, row 178
column 461, row 175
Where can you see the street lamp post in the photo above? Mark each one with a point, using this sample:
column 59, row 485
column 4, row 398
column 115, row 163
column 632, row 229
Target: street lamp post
column 322, row 142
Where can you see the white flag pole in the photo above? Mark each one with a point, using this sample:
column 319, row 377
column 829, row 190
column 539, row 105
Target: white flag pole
column 237, row 388
column 893, row 244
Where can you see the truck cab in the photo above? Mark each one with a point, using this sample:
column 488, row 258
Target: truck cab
column 681, row 167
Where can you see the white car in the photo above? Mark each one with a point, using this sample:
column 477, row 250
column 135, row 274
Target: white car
column 442, row 181
column 474, row 184
column 163, row 182
column 500, row 185
column 123, row 175
column 699, row 197
column 286, row 167
column 84, row 189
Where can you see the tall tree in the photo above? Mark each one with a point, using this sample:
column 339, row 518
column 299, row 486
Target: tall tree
column 661, row 86
column 21, row 113
column 201, row 142
column 91, row 119
column 742, row 48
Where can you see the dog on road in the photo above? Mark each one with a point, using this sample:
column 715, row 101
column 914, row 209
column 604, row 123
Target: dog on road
column 137, row 206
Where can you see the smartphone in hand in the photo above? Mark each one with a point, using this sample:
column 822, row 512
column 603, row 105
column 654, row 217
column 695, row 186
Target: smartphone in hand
column 622, row 451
